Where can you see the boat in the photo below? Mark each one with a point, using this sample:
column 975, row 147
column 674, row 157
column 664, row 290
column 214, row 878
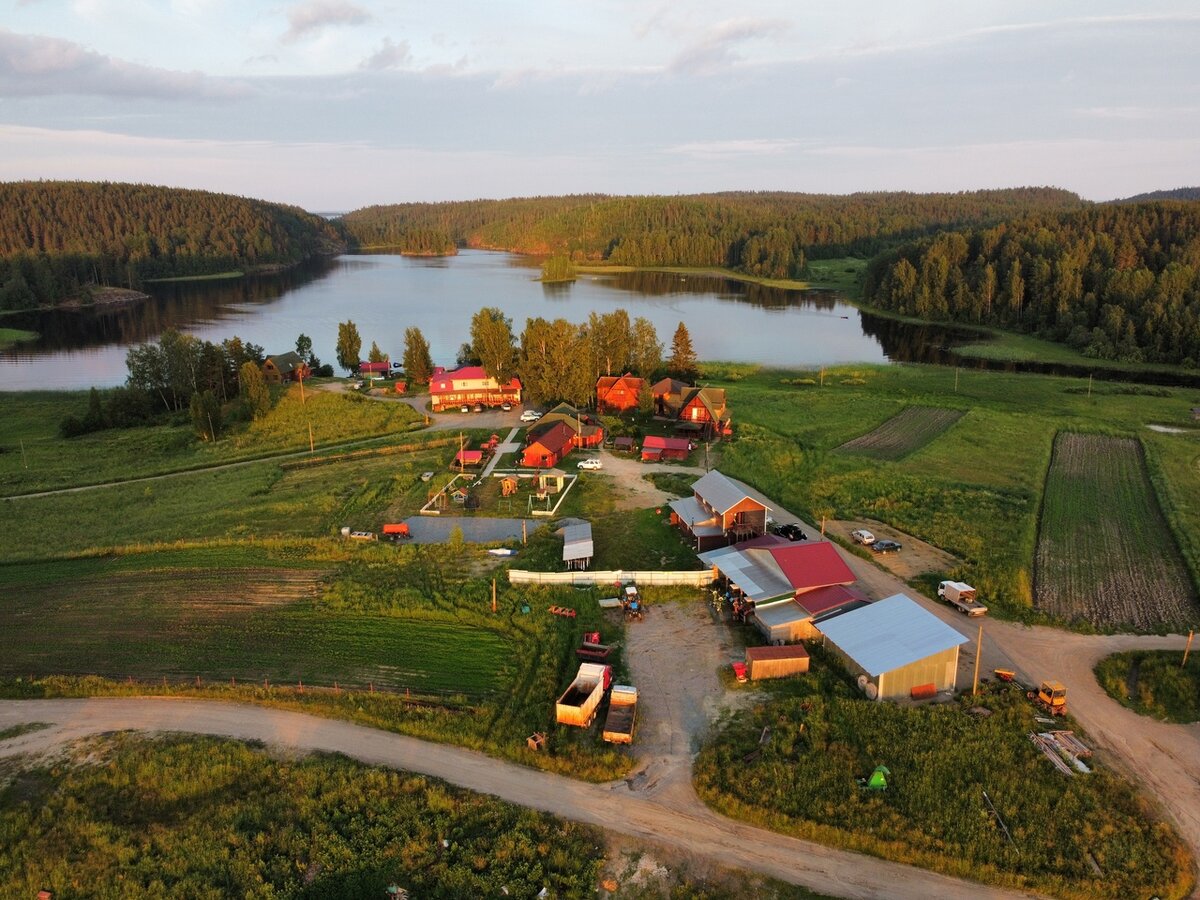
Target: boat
column 502, row 551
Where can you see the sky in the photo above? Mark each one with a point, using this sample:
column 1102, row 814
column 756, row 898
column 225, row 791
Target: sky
column 337, row 104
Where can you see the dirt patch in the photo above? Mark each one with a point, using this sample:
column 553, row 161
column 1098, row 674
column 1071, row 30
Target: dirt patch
column 915, row 559
column 633, row 491
column 904, row 433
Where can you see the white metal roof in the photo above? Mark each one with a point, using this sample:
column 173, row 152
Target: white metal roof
column 577, row 542
column 783, row 613
column 890, row 634
column 720, row 492
column 700, row 521
column 757, row 574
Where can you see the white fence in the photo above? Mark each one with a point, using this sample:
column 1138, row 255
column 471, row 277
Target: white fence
column 692, row 579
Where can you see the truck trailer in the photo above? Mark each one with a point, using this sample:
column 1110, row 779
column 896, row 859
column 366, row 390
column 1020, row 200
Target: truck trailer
column 962, row 597
column 577, row 705
column 622, row 715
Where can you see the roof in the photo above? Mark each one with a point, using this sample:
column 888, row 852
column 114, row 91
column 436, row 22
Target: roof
column 699, row 520
column 713, row 399
column 753, row 571
column 623, row 442
column 807, row 566
column 654, row 442
column 889, row 634
column 823, row 599
column 782, row 613
column 286, row 362
column 606, row 383
column 788, row 651
column 668, row 386
column 383, row 366
column 441, row 382
column 556, row 438
column 577, row 542
column 468, row 457
column 721, row 493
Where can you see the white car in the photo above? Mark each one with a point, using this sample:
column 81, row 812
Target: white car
column 862, row 536
column 591, row 463
column 530, row 415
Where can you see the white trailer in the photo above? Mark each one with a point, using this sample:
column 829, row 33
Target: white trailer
column 962, row 597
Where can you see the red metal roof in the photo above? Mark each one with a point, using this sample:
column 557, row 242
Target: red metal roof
column 823, row 599
column 655, row 442
column 554, row 439
column 443, row 382
column 383, row 367
column 469, row 457
column 788, row 651
column 808, row 566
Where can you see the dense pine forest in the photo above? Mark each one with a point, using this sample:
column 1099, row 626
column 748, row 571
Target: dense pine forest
column 763, row 234
column 1115, row 281
column 60, row 239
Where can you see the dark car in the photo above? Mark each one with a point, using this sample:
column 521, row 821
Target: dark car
column 791, row 531
column 885, row 546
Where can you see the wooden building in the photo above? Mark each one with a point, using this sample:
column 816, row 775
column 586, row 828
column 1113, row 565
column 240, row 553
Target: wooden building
column 718, row 513
column 470, row 385
column 618, row 393
column 284, row 367
column 655, row 448
column 776, row 662
column 698, row 410
column 549, row 446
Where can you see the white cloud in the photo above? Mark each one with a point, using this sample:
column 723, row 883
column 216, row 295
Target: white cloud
column 737, row 148
column 716, row 49
column 389, row 56
column 314, row 16
column 33, row 65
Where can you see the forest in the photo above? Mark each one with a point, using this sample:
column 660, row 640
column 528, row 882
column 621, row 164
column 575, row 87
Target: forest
column 60, row 239
column 767, row 234
column 1113, row 281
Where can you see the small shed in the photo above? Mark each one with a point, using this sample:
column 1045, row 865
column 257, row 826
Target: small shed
column 1196, row 413
column 552, row 481
column 509, row 485
column 577, row 546
column 623, row 444
column 466, row 459
column 776, row 662
column 655, row 448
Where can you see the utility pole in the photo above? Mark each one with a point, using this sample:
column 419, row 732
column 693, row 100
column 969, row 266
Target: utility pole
column 978, row 654
column 1187, row 649
column 956, row 379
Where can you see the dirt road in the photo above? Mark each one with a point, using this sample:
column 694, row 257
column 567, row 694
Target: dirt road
column 663, row 819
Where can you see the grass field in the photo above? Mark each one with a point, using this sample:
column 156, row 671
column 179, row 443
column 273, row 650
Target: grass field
column 1105, row 555
column 33, row 457
column 904, row 433
column 1154, row 683
column 822, row 737
column 12, row 336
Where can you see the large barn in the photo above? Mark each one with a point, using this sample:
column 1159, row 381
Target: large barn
column 895, row 645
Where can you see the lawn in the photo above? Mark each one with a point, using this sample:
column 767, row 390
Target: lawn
column 12, row 336
column 1105, row 555
column 1154, row 683
column 904, row 433
column 822, row 737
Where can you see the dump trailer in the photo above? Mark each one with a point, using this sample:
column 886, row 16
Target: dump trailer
column 622, row 714
column 577, row 705
column 962, row 597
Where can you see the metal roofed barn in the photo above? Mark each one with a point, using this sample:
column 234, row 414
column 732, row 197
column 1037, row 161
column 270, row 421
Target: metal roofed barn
column 895, row 645
column 577, row 546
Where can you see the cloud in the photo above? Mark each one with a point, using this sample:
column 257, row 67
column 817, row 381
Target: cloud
column 716, row 48
column 314, row 16
column 737, row 148
column 38, row 66
column 389, row 56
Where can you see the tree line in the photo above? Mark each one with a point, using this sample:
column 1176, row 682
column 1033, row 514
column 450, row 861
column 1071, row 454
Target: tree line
column 767, row 234
column 1114, row 281
column 59, row 239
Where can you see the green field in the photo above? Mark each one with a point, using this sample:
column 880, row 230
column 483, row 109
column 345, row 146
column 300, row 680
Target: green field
column 11, row 336
column 33, row 457
column 822, row 736
column 1105, row 554
column 1154, row 683
column 904, row 433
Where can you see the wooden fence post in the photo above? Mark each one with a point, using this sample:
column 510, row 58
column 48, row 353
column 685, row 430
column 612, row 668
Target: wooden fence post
column 1187, row 649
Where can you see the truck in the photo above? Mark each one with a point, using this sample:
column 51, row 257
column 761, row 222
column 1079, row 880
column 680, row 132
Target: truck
column 962, row 597
column 622, row 714
column 577, row 705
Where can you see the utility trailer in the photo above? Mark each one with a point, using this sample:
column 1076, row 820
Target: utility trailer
column 622, row 715
column 962, row 597
column 577, row 705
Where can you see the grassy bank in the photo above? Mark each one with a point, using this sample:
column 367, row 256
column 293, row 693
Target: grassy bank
column 1154, row 683
column 822, row 737
column 10, row 337
column 823, row 274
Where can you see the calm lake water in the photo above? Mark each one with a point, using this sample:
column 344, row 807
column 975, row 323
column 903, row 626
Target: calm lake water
column 385, row 294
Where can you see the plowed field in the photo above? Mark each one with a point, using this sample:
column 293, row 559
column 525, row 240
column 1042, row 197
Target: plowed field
column 904, row 433
column 1105, row 554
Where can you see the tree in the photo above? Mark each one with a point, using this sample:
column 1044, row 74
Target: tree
column 254, row 390
column 557, row 268
column 206, row 415
column 682, row 363
column 611, row 340
column 418, row 364
column 645, row 398
column 645, row 356
column 493, row 342
column 349, row 346
column 466, row 355
column 304, row 348
column 376, row 355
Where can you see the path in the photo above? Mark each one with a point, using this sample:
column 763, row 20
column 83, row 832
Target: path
column 682, row 823
column 509, row 445
column 636, row 491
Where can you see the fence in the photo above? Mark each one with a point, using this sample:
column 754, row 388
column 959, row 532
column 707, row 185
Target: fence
column 691, row 579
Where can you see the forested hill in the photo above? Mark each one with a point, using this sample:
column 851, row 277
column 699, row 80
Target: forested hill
column 767, row 234
column 1183, row 193
column 57, row 239
column 1118, row 281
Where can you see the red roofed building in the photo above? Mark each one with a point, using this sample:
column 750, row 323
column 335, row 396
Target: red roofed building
column 467, row 458
column 809, row 566
column 549, row 446
column 375, row 368
column 618, row 393
column 470, row 385
column 655, row 448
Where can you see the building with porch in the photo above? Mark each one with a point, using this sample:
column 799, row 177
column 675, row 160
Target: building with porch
column 718, row 513
column 470, row 385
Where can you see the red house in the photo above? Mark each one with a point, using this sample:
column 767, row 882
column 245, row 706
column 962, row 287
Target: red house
column 548, row 447
column 285, row 367
column 470, row 385
column 618, row 393
column 703, row 410
column 655, row 448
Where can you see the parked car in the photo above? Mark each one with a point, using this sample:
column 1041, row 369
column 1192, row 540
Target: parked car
column 464, row 408
column 885, row 546
column 426, row 476
column 478, row 407
column 530, row 415
column 791, row 531
column 862, row 536
column 506, row 406
column 592, row 463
